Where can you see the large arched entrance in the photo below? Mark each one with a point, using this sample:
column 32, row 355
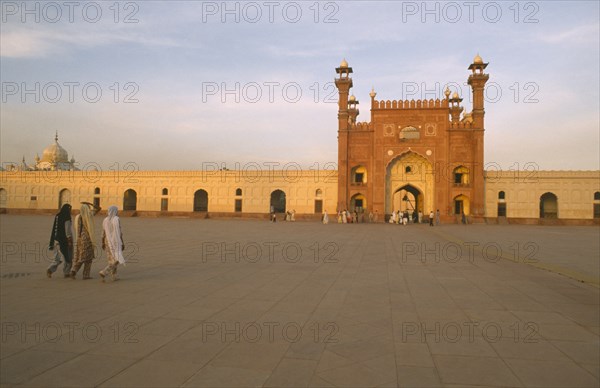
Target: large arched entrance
column 409, row 184
column 278, row 201
column 200, row 201
column 548, row 206
column 130, row 200
column 64, row 197
column 408, row 198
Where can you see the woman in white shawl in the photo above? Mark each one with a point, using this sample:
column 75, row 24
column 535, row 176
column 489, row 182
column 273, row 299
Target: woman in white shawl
column 112, row 243
column 86, row 240
column 325, row 218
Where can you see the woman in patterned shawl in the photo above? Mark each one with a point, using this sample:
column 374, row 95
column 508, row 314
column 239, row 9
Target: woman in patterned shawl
column 86, row 241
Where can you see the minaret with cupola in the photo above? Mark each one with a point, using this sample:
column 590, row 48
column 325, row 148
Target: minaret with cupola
column 347, row 112
column 455, row 108
column 477, row 82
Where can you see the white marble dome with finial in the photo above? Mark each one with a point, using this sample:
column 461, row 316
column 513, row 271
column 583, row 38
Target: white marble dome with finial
column 54, row 157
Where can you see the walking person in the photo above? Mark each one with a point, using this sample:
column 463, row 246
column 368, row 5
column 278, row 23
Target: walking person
column 325, row 218
column 86, row 240
column 431, row 218
column 112, row 243
column 62, row 233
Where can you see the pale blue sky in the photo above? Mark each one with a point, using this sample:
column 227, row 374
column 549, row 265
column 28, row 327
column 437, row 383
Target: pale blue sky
column 178, row 52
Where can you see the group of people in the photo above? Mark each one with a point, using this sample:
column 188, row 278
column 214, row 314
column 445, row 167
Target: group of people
column 355, row 217
column 403, row 218
column 289, row 215
column 75, row 243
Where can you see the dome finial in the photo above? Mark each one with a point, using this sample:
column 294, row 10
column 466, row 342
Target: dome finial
column 372, row 94
column 56, row 137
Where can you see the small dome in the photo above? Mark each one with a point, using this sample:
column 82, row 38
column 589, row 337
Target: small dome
column 478, row 60
column 455, row 95
column 372, row 94
column 344, row 63
column 447, row 92
column 352, row 98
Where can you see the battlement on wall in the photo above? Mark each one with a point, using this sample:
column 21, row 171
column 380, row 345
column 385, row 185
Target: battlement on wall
column 412, row 104
column 462, row 125
column 362, row 126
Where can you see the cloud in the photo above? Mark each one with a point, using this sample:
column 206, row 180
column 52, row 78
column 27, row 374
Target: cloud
column 44, row 41
column 587, row 33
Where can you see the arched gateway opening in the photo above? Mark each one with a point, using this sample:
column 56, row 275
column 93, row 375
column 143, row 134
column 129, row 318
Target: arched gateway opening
column 408, row 198
column 278, row 201
column 409, row 184
column 548, row 206
column 200, row 201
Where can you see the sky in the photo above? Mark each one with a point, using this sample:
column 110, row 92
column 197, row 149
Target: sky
column 190, row 85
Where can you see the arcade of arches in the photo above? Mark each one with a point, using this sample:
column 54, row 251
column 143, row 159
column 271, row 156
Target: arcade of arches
column 411, row 155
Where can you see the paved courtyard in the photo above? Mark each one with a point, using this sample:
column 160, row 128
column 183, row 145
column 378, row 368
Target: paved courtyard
column 252, row 303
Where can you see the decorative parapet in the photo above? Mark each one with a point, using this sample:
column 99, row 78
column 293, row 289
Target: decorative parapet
column 362, row 126
column 412, row 104
column 532, row 172
column 461, row 125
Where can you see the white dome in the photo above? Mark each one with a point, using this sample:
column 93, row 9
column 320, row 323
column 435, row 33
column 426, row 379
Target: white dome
column 54, row 153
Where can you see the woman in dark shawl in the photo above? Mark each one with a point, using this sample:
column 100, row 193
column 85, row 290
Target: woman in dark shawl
column 63, row 235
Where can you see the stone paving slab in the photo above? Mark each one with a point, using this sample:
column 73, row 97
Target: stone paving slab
column 252, row 303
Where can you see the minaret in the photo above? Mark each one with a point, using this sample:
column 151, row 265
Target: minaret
column 455, row 108
column 343, row 82
column 477, row 81
column 353, row 111
column 372, row 95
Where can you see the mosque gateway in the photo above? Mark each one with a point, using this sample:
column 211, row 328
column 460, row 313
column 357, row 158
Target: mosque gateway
column 422, row 155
